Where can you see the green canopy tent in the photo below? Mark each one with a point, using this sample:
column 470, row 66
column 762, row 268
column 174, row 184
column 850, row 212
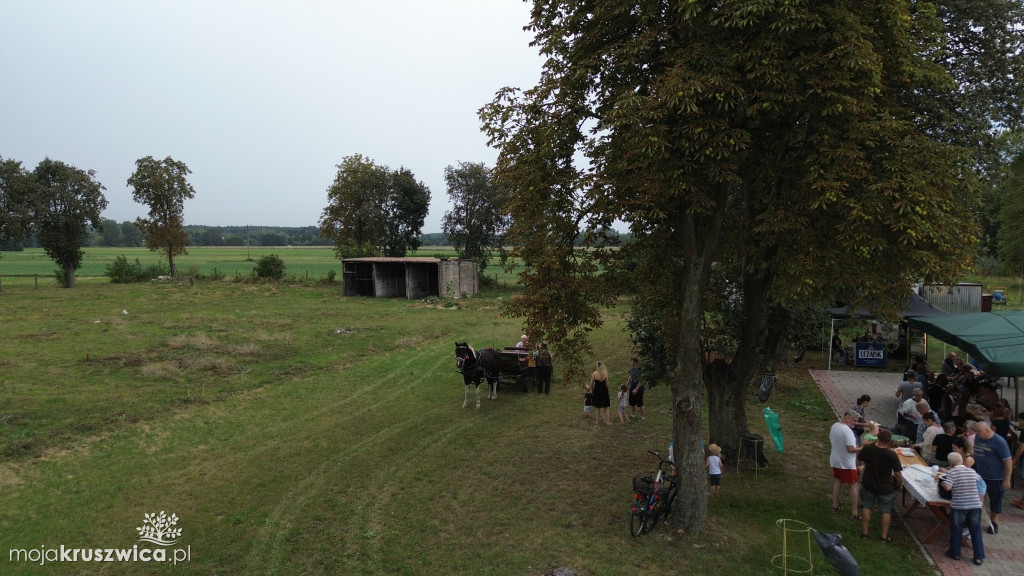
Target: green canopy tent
column 994, row 339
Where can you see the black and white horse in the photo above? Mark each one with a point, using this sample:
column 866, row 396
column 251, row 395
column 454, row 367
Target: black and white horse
column 476, row 367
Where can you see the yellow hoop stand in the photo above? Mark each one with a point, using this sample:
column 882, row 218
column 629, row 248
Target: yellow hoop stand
column 790, row 561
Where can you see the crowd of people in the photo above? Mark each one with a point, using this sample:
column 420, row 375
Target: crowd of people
column 597, row 398
column 956, row 422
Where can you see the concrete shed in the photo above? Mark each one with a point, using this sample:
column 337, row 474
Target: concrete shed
column 412, row 278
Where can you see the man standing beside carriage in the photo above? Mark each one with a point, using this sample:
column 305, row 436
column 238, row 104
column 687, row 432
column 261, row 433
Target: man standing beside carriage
column 542, row 358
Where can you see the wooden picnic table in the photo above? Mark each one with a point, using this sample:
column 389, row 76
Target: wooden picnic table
column 919, row 482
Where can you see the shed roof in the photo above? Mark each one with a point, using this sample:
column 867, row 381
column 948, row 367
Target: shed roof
column 411, row 260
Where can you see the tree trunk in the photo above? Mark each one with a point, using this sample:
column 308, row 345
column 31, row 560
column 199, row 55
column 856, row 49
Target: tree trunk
column 727, row 415
column 728, row 382
column 690, row 508
column 69, row 277
column 170, row 261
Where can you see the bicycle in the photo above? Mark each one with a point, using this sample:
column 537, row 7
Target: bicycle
column 653, row 497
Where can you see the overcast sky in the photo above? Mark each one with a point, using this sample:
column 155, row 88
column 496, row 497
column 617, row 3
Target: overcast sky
column 261, row 98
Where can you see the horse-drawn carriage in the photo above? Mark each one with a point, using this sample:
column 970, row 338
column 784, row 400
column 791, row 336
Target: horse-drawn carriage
column 518, row 367
column 508, row 366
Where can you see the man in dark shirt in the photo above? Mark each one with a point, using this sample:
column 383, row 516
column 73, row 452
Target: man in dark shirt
column 837, row 347
column 882, row 472
column 942, row 445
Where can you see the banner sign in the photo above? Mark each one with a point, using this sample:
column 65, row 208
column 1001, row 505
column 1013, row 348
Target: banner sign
column 870, row 354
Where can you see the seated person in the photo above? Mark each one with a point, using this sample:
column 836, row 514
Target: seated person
column 936, row 390
column 924, row 373
column 837, row 347
column 870, row 432
column 931, row 430
column 1000, row 418
column 948, row 365
column 906, row 388
column 942, row 444
column 925, row 412
column 910, row 414
column 986, row 396
column 524, row 343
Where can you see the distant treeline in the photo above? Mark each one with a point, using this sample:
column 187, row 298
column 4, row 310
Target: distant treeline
column 126, row 234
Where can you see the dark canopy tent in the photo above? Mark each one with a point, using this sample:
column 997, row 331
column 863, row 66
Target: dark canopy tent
column 994, row 339
column 916, row 307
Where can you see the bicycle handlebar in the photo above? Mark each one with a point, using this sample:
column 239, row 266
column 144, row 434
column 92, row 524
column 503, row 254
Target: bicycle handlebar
column 660, row 459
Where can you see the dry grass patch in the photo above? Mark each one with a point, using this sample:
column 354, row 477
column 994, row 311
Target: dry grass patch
column 248, row 349
column 217, row 365
column 165, row 369
column 408, row 342
column 264, row 336
column 197, row 341
column 116, row 360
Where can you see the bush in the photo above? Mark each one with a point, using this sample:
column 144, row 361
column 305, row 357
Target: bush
column 269, row 267
column 152, row 271
column 988, row 265
column 121, row 272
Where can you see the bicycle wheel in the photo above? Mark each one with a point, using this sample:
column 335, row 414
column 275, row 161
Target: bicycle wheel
column 670, row 498
column 655, row 509
column 638, row 517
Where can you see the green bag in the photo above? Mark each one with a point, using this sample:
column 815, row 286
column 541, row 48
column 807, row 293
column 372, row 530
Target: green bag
column 771, row 419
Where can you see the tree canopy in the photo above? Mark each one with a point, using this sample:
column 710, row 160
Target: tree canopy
column 476, row 223
column 808, row 149
column 69, row 201
column 17, row 194
column 1010, row 190
column 163, row 186
column 373, row 210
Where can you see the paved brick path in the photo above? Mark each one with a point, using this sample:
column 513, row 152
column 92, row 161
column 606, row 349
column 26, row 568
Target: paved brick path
column 1004, row 552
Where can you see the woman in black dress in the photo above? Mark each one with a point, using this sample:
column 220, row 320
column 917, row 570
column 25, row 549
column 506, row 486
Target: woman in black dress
column 599, row 386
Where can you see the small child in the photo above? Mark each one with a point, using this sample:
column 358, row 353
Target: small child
column 588, row 401
column 623, row 402
column 870, row 432
column 714, row 466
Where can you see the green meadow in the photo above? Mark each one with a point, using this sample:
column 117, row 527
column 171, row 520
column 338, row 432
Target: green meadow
column 302, row 263
column 292, row 430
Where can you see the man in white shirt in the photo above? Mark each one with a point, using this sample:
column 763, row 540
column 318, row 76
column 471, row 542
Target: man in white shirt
column 843, row 459
column 931, row 430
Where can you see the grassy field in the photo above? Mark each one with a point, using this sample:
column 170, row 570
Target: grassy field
column 312, row 263
column 296, row 431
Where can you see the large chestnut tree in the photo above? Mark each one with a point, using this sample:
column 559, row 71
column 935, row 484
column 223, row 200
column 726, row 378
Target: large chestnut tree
column 811, row 148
